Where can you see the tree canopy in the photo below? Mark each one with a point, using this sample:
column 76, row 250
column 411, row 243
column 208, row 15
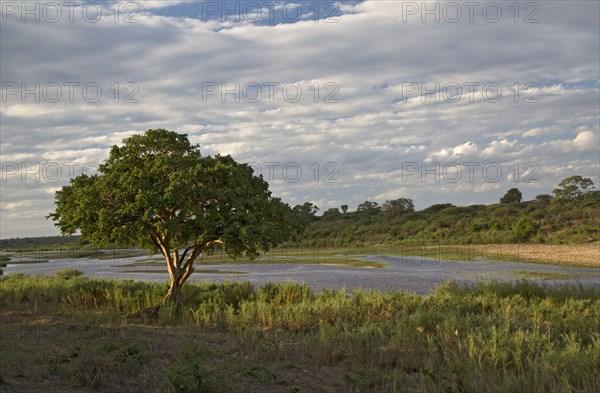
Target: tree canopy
column 572, row 189
column 512, row 196
column 397, row 207
column 369, row 207
column 158, row 191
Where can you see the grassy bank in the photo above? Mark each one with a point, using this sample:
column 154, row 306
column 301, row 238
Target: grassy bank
column 576, row 255
column 79, row 334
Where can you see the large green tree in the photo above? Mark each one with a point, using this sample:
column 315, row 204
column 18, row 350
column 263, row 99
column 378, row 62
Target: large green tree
column 158, row 191
column 572, row 189
column 397, row 207
column 368, row 207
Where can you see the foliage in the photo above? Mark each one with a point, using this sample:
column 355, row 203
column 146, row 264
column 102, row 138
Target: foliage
column 543, row 199
column 512, row 196
column 157, row 191
column 397, row 207
column 305, row 213
column 66, row 274
column 369, row 207
column 542, row 220
column 331, row 212
column 189, row 375
column 524, row 229
column 572, row 189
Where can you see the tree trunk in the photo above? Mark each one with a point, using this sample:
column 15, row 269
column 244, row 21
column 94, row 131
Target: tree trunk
column 179, row 271
column 174, row 294
column 178, row 277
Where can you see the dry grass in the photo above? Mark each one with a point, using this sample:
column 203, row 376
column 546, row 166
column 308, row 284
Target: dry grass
column 584, row 255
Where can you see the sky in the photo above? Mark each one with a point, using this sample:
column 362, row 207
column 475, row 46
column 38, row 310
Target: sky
column 331, row 102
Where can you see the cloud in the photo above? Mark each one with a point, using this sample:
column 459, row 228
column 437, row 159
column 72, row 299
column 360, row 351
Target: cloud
column 352, row 111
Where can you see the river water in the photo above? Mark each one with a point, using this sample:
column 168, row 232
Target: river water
column 412, row 274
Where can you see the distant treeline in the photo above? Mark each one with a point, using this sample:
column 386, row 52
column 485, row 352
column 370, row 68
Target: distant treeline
column 571, row 215
column 37, row 242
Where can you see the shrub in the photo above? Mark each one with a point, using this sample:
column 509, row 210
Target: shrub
column 524, row 229
column 68, row 273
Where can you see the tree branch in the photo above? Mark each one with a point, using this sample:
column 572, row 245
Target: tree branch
column 188, row 267
column 187, row 249
column 155, row 241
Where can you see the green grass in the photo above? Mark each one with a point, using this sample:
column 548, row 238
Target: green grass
column 530, row 274
column 107, row 335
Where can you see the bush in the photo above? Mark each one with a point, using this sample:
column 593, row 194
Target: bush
column 68, row 273
column 284, row 294
column 524, row 229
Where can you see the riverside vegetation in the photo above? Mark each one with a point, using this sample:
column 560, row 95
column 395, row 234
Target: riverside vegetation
column 570, row 216
column 72, row 333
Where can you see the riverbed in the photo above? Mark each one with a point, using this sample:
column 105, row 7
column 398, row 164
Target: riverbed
column 412, row 274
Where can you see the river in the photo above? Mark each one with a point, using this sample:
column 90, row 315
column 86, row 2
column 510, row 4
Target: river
column 412, row 274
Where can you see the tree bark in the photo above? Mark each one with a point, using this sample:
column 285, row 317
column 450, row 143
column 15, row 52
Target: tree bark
column 179, row 271
column 174, row 294
column 179, row 268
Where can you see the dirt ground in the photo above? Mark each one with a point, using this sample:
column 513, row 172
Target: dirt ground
column 87, row 353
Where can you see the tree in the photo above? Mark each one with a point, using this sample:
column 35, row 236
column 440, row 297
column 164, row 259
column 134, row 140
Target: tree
column 543, row 199
column 433, row 209
column 331, row 212
column 397, row 207
column 512, row 196
column 344, row 209
column 305, row 213
column 157, row 191
column 572, row 189
column 368, row 207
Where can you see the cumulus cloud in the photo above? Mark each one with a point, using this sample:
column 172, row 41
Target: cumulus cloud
column 358, row 109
